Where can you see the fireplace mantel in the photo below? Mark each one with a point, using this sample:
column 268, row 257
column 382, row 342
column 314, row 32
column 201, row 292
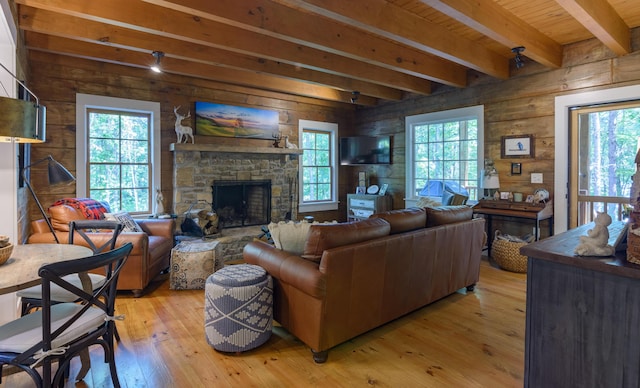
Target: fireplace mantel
column 232, row 149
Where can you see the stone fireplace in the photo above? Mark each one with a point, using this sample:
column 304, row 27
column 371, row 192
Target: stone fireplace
column 196, row 167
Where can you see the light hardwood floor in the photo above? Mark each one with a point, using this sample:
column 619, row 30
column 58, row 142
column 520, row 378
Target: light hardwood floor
column 473, row 339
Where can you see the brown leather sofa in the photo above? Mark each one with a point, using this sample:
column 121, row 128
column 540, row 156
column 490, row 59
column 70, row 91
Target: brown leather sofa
column 353, row 277
column 151, row 252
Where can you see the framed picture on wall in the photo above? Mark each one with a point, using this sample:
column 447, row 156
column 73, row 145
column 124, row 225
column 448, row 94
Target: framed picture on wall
column 520, row 146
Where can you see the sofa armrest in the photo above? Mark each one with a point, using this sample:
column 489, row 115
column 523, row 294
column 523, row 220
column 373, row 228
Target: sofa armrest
column 287, row 267
column 162, row 227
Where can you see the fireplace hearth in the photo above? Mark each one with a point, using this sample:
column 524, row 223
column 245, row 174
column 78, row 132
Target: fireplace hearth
column 242, row 203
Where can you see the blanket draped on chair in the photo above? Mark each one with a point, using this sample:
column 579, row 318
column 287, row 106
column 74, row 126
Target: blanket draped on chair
column 90, row 208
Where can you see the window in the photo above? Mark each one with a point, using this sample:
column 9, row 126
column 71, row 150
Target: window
column 318, row 170
column 119, row 159
column 445, row 146
column 118, row 155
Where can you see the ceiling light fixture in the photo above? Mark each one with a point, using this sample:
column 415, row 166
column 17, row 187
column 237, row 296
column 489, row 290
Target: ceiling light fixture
column 519, row 61
column 158, row 56
column 354, row 96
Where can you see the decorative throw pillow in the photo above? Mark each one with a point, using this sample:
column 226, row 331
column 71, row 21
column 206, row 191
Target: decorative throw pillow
column 447, row 196
column 125, row 218
column 427, row 202
column 458, row 199
column 291, row 236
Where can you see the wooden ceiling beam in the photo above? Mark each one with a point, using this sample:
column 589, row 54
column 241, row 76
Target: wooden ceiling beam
column 165, row 22
column 116, row 55
column 599, row 17
column 288, row 24
column 48, row 22
column 490, row 19
column 388, row 20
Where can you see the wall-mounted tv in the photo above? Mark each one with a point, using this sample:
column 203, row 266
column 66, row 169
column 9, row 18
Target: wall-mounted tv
column 365, row 150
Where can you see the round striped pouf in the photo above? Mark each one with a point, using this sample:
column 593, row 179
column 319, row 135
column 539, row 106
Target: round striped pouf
column 238, row 310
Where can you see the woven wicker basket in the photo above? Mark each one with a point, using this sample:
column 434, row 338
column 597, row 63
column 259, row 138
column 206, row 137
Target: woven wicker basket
column 507, row 255
column 633, row 248
column 5, row 253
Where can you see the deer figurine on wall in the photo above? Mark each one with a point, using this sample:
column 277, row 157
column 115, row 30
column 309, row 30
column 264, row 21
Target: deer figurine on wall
column 182, row 131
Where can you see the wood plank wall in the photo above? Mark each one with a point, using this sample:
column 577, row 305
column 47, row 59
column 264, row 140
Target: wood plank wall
column 56, row 80
column 523, row 104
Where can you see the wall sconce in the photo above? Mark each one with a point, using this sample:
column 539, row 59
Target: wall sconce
column 158, row 56
column 519, row 61
column 22, row 121
column 57, row 175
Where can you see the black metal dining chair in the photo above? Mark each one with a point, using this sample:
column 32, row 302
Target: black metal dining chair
column 31, row 298
column 60, row 331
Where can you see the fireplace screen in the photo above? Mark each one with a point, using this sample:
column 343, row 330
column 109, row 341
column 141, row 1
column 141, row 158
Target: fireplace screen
column 242, row 203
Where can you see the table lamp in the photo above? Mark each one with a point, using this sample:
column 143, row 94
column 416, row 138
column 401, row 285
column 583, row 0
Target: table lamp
column 491, row 184
column 57, row 174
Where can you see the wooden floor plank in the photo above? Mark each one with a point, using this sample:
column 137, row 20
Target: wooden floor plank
column 469, row 339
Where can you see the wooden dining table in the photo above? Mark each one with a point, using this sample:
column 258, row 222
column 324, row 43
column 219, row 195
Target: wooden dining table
column 21, row 270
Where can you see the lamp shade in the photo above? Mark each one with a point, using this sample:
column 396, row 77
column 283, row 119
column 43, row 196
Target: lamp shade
column 58, row 174
column 491, row 182
column 23, row 121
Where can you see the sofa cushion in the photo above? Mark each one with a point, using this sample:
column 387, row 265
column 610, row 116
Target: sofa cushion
column 404, row 220
column 323, row 237
column 61, row 215
column 448, row 214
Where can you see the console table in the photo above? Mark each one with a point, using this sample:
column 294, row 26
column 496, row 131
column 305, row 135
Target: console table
column 582, row 319
column 520, row 210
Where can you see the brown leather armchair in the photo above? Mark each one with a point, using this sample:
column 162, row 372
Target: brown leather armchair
column 151, row 249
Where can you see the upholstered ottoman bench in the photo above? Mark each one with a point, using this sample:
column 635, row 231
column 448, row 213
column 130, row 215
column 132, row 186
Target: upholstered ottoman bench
column 238, row 311
column 191, row 264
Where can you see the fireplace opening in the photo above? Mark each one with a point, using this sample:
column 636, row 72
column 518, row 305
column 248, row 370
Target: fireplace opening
column 242, row 203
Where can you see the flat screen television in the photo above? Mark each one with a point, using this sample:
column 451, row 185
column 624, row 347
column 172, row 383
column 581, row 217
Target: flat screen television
column 365, row 150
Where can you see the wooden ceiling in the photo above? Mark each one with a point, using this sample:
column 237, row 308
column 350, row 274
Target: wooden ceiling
column 327, row 49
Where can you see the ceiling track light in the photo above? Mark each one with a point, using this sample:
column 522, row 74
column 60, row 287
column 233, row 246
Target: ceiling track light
column 158, row 56
column 354, row 96
column 519, row 61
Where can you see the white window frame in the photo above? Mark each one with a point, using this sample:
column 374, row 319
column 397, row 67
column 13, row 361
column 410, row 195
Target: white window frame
column 86, row 101
column 332, row 129
column 473, row 112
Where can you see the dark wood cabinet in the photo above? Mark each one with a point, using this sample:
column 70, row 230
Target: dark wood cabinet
column 583, row 316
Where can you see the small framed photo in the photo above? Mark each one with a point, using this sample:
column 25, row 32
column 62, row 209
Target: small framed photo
column 361, row 190
column 520, row 146
column 504, row 195
column 362, row 178
column 516, row 168
column 529, row 198
column 383, row 189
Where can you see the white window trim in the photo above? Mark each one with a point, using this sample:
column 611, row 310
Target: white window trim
column 563, row 105
column 326, row 205
column 87, row 101
column 471, row 112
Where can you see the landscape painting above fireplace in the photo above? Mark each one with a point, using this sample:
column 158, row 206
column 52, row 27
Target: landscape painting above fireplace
column 235, row 121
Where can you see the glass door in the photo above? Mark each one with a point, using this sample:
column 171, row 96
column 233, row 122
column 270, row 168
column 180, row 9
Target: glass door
column 604, row 143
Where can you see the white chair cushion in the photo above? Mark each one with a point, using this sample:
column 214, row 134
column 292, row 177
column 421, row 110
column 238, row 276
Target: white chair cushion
column 58, row 293
column 21, row 334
